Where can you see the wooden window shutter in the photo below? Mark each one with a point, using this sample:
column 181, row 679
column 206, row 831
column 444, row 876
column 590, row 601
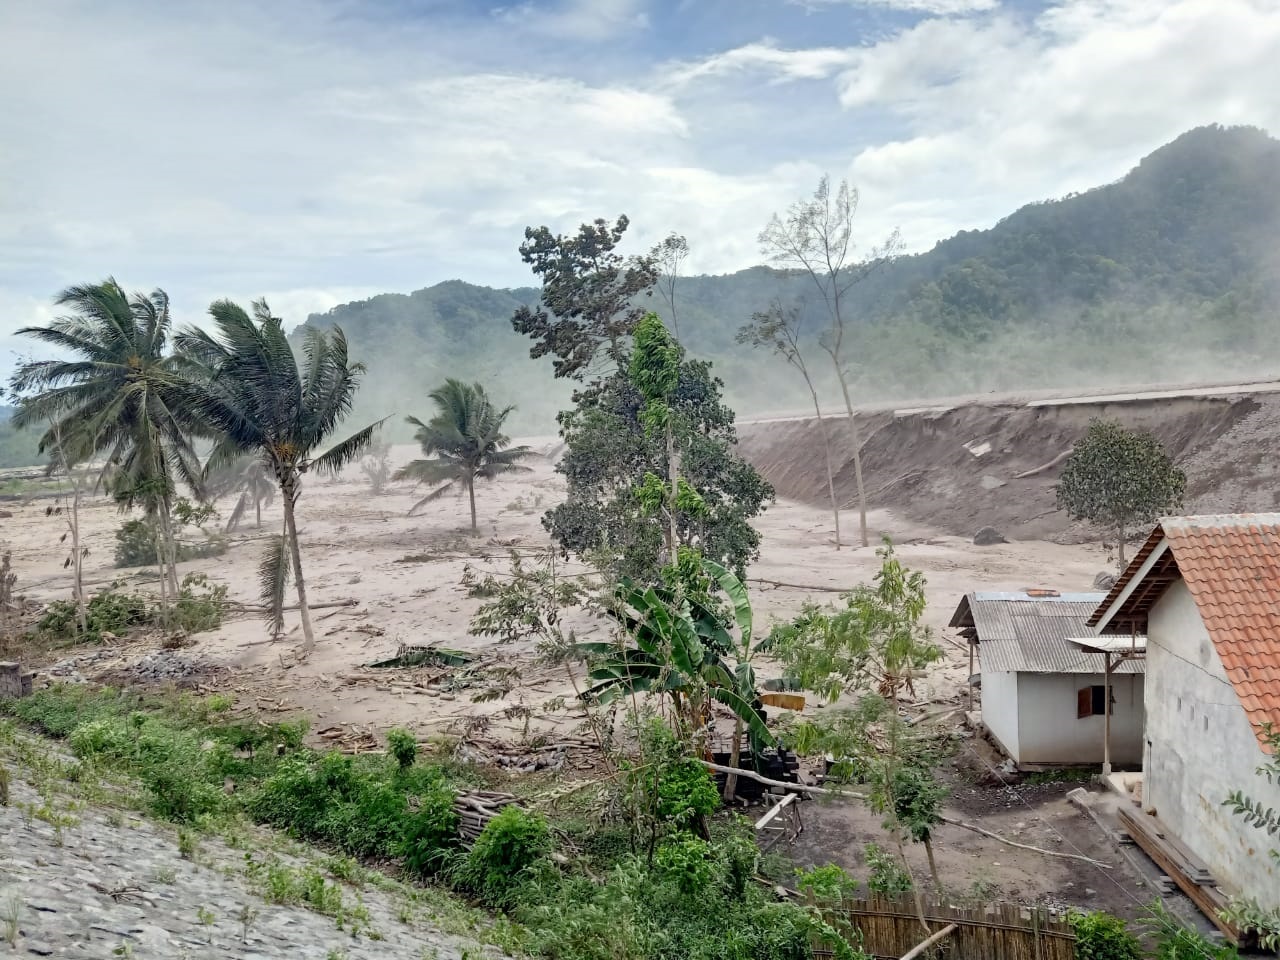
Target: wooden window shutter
column 1084, row 703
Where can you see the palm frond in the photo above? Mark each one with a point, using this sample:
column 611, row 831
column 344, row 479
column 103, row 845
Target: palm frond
column 273, row 577
column 431, row 497
column 335, row 458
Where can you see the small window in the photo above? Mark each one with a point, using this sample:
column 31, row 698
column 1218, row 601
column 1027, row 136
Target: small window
column 1091, row 702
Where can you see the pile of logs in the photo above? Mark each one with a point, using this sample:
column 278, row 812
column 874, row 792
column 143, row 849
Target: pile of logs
column 476, row 808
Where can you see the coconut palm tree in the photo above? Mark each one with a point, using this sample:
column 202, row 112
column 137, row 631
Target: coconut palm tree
column 119, row 397
column 251, row 389
column 252, row 479
column 464, row 443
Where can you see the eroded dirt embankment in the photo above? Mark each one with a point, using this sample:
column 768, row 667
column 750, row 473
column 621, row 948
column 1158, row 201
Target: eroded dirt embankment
column 964, row 467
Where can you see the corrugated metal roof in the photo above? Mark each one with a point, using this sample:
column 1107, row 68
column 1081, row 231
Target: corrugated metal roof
column 1019, row 633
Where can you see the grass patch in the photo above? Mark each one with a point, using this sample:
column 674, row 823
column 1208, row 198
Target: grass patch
column 580, row 890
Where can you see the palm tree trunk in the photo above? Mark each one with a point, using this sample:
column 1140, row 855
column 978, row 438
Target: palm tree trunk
column 257, row 506
column 471, row 493
column 170, row 558
column 291, row 530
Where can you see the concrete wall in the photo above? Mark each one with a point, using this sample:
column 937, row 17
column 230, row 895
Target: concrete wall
column 1050, row 732
column 1199, row 747
column 1000, row 709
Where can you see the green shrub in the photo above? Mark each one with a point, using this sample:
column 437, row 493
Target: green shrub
column 107, row 612
column 1100, row 936
column 431, row 832
column 200, row 604
column 403, row 746
column 685, row 860
column 136, row 544
column 508, row 848
column 887, row 875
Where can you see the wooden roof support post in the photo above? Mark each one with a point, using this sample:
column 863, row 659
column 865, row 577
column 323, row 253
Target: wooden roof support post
column 1106, row 716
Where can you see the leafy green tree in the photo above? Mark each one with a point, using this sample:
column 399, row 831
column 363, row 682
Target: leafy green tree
column 463, row 443
column 606, row 514
column 588, row 294
column 247, row 385
column 870, row 648
column 816, row 237
column 120, row 397
column 874, row 641
column 1119, row 480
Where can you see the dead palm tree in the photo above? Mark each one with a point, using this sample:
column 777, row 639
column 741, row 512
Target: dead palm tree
column 249, row 387
column 464, row 443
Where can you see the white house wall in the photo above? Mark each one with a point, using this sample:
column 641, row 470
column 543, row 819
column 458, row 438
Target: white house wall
column 1000, row 709
column 1049, row 731
column 1199, row 747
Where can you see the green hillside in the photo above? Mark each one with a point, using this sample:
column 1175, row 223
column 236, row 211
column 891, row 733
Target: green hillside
column 1169, row 273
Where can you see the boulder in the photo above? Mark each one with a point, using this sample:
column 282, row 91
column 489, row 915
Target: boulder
column 1104, row 581
column 987, row 536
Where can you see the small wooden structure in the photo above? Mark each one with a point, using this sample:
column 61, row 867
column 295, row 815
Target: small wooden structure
column 890, row 928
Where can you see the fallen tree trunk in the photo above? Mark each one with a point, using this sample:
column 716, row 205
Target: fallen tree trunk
column 1026, row 474
column 1025, row 846
column 251, row 608
column 919, row 949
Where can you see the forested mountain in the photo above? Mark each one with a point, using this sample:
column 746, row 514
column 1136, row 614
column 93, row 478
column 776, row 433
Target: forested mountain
column 1171, row 272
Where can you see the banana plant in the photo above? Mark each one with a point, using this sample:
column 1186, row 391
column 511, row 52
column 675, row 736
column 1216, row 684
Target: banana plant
column 682, row 645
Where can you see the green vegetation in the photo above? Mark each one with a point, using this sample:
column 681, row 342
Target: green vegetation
column 137, row 539
column 1119, row 480
column 199, row 606
column 463, row 442
column 1100, row 936
column 682, row 895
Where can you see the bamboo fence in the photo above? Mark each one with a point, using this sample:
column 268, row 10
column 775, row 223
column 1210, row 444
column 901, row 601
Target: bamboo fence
column 891, row 927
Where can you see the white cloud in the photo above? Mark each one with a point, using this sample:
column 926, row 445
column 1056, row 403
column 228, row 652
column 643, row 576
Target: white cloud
column 998, row 112
column 816, row 63
column 937, row 7
column 577, row 19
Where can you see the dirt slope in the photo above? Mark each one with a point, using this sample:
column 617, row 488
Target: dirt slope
column 956, row 468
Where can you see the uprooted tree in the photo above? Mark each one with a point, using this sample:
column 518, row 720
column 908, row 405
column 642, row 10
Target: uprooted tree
column 1119, row 480
column 586, row 320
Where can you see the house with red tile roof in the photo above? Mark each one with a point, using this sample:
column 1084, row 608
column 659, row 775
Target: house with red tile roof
column 1206, row 593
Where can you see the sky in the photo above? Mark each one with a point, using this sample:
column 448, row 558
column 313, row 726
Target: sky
column 320, row 151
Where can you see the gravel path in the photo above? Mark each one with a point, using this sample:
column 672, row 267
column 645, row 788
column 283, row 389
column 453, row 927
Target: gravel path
column 89, row 880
